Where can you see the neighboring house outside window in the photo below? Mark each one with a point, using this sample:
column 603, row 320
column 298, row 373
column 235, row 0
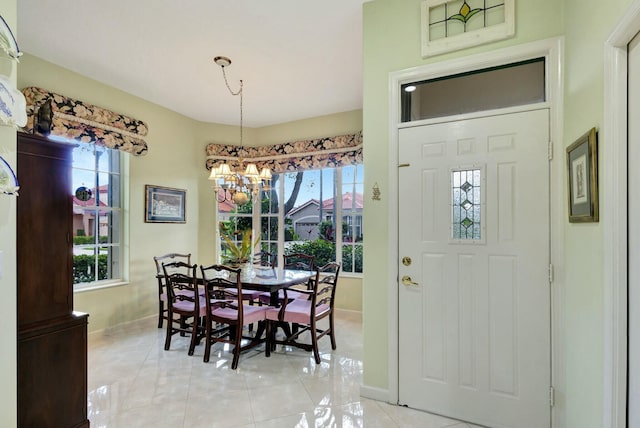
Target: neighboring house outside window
column 299, row 215
column 97, row 216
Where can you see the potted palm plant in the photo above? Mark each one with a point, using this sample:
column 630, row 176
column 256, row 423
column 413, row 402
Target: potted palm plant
column 241, row 253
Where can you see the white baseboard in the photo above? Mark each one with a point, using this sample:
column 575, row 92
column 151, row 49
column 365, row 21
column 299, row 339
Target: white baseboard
column 374, row 393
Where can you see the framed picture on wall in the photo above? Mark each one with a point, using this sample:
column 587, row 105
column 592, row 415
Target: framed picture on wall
column 582, row 170
column 164, row 205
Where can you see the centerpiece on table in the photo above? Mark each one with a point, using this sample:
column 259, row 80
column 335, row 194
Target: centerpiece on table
column 239, row 255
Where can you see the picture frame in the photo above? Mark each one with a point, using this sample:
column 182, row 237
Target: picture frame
column 164, row 204
column 582, row 171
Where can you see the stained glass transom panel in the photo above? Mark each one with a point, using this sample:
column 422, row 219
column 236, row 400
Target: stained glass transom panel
column 466, row 204
column 449, row 25
column 458, row 17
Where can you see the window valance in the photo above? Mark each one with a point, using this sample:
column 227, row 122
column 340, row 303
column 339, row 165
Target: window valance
column 303, row 155
column 65, row 117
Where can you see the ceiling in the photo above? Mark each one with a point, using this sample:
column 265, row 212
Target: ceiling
column 297, row 58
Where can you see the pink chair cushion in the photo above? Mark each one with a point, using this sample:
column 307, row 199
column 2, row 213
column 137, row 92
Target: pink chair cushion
column 298, row 311
column 251, row 313
column 186, row 306
column 265, row 297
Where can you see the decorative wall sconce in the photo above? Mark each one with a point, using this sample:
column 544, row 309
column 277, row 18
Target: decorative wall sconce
column 376, row 193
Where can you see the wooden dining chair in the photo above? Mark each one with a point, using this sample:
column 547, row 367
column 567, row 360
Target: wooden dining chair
column 305, row 314
column 185, row 306
column 263, row 259
column 226, row 313
column 162, row 293
column 298, row 261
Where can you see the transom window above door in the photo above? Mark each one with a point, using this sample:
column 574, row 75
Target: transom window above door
column 505, row 86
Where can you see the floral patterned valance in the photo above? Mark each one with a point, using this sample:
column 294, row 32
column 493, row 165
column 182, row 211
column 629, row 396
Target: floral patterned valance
column 327, row 152
column 50, row 113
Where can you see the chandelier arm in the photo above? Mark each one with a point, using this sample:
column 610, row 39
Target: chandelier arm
column 224, row 197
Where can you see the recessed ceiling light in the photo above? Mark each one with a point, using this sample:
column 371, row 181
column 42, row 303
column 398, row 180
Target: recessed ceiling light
column 409, row 88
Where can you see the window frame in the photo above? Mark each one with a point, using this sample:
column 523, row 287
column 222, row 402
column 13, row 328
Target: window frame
column 119, row 191
column 257, row 216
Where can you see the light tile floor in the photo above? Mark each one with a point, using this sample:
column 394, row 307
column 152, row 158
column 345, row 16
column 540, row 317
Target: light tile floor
column 133, row 382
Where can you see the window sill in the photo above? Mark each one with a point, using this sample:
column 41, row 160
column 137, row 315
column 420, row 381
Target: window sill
column 353, row 275
column 99, row 286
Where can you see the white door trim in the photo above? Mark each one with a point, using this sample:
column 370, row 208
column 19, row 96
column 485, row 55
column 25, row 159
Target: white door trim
column 615, row 217
column 552, row 51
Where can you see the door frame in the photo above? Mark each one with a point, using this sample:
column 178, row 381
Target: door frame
column 552, row 50
column 615, row 217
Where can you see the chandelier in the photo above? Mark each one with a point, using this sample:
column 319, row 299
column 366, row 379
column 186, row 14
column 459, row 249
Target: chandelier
column 237, row 181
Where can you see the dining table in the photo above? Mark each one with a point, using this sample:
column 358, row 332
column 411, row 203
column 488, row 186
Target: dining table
column 273, row 279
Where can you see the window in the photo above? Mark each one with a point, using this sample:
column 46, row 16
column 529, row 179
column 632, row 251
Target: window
column 466, row 203
column 492, row 88
column 97, row 215
column 352, row 203
column 300, row 212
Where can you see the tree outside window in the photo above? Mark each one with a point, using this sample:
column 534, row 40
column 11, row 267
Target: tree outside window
column 307, row 206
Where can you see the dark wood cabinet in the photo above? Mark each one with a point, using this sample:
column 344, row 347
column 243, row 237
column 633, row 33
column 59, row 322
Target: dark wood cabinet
column 52, row 339
column 52, row 374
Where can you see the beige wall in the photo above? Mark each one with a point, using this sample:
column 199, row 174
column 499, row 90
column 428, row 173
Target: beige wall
column 176, row 158
column 584, row 313
column 8, row 350
column 318, row 127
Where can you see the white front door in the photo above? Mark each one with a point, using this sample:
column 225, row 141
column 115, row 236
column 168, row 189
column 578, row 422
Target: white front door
column 474, row 298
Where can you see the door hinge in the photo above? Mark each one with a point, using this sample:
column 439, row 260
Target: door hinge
column 550, row 150
column 550, row 273
column 552, row 396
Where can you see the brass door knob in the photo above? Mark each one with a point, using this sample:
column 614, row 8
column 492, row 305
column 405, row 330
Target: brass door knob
column 406, row 280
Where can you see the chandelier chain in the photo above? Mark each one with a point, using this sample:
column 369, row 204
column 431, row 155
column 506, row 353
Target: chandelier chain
column 237, row 184
column 239, row 92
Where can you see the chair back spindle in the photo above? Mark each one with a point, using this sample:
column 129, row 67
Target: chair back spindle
column 184, row 306
column 298, row 261
column 263, row 258
column 226, row 314
column 160, row 277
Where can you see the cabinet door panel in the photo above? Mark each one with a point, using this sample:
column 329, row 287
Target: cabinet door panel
column 44, row 223
column 52, row 376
